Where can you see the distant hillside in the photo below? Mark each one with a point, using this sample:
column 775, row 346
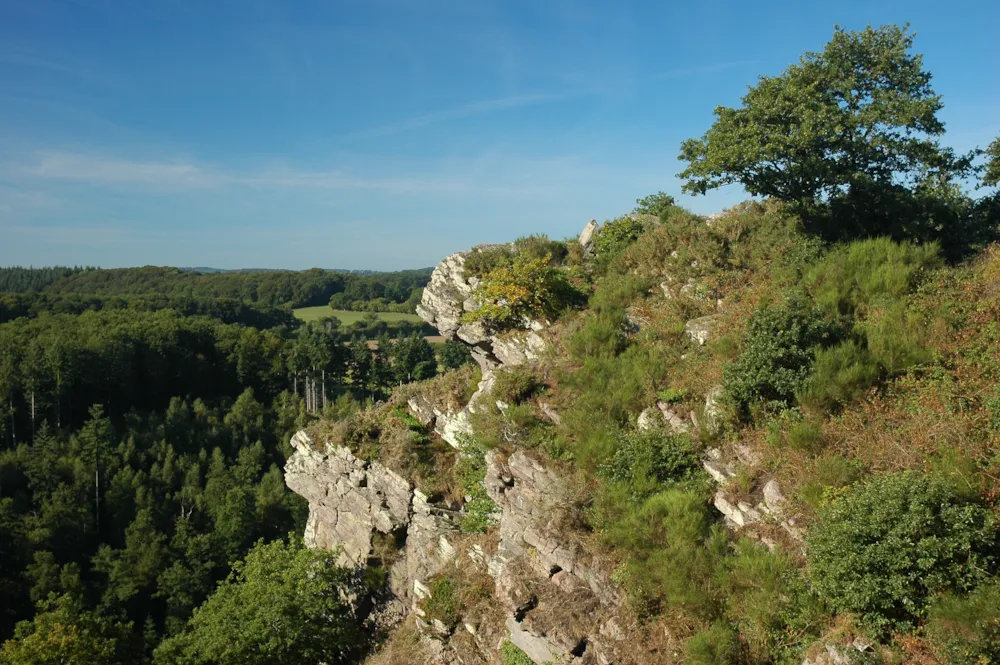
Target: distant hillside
column 368, row 291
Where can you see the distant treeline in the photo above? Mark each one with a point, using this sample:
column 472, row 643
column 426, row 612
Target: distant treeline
column 227, row 310
column 395, row 291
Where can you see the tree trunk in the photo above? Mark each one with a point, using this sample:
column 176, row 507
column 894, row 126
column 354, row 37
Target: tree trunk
column 32, row 416
column 97, row 500
column 324, row 390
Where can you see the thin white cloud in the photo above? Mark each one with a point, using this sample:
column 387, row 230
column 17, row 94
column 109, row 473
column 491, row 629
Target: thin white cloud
column 186, row 175
column 99, row 169
column 468, row 110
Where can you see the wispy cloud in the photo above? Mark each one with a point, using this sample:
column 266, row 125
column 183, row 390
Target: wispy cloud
column 468, row 110
column 187, row 175
column 98, row 169
column 714, row 68
column 29, row 60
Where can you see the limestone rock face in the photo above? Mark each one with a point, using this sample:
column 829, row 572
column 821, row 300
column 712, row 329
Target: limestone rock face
column 444, row 296
column 350, row 500
column 558, row 598
column 449, row 295
column 588, row 235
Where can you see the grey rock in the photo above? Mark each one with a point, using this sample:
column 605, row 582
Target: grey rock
column 588, row 235
column 537, row 647
column 518, row 348
column 422, row 410
column 348, row 498
column 773, row 498
column 551, row 414
column 442, row 303
column 700, row 330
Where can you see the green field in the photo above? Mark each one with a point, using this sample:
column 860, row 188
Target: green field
column 347, row 318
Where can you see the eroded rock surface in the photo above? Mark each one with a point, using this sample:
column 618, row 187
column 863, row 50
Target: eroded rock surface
column 351, row 500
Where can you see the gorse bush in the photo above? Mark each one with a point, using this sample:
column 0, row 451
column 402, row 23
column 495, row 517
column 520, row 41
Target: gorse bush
column 652, row 454
column 777, row 355
column 718, row 645
column 841, row 374
column 527, row 288
column 767, row 600
column 515, row 385
column 865, row 272
column 965, row 630
column 675, row 551
column 884, row 548
column 487, row 259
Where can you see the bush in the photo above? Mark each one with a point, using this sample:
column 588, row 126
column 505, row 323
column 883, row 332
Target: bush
column 860, row 274
column 526, row 289
column 883, row 548
column 717, row 645
column 777, row 355
column 515, row 385
column 840, row 374
column 615, row 236
column 652, row 454
column 897, row 339
column 769, row 602
column 443, row 604
column 675, row 551
column 479, row 511
column 966, row 630
column 511, row 655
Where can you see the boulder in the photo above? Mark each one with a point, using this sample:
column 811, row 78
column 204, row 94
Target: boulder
column 588, row 235
column 700, row 330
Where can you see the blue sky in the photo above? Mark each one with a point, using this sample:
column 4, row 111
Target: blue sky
column 385, row 134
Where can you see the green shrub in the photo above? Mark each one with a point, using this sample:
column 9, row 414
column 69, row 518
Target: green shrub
column 478, row 513
column 511, row 655
column 443, row 604
column 769, row 603
column 864, row 272
column 615, row 236
column 806, row 435
column 965, row 630
column 883, row 548
column 525, row 289
column 658, row 205
column 515, row 385
column 897, row 338
column 541, row 246
column 675, row 551
column 652, row 454
column 485, row 260
column 717, row 645
column 829, row 474
column 840, row 374
column 777, row 355
column 673, row 395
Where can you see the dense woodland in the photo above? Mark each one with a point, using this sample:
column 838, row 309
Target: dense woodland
column 396, row 291
column 144, row 419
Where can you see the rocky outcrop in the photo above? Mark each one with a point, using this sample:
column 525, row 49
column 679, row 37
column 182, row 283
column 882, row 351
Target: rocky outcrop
column 588, row 235
column 557, row 597
column 351, row 500
column 663, row 415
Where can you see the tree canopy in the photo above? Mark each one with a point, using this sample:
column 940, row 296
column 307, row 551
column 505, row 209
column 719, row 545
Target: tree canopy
column 848, row 135
column 282, row 604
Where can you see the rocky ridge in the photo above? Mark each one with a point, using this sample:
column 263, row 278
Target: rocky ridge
column 556, row 602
